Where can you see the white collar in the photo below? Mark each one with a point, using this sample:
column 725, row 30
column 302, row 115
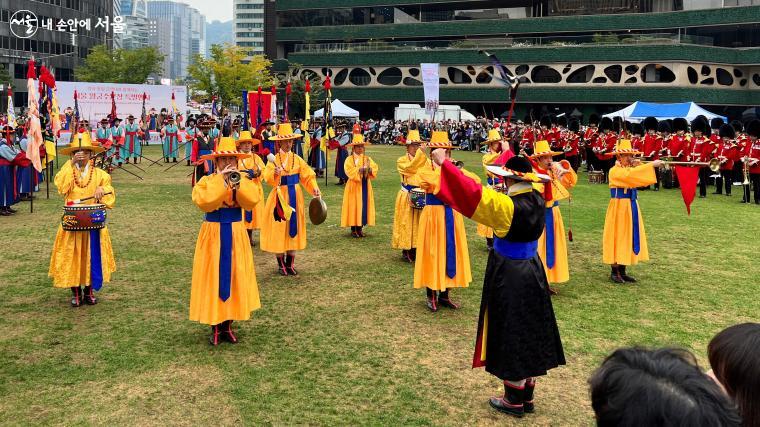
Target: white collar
column 85, row 171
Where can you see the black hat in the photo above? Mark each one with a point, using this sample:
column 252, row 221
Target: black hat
column 562, row 121
column 700, row 125
column 637, row 129
column 593, row 119
column 553, row 119
column 716, row 123
column 605, row 124
column 617, row 124
column 650, row 123
column 545, row 121
column 737, row 125
column 519, row 164
column 753, row 128
column 664, row 127
column 727, row 131
column 680, row 124
column 574, row 125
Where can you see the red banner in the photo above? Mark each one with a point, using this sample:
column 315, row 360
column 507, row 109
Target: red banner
column 254, row 104
column 687, row 179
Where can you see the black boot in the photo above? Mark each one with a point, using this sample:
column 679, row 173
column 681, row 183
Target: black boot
column 360, row 232
column 432, row 300
column 413, row 252
column 89, row 296
column 226, row 332
column 530, row 386
column 76, row 296
column 289, row 261
column 615, row 275
column 214, row 339
column 624, row 276
column 512, row 402
column 445, row 301
column 354, row 233
column 489, row 243
column 188, row 162
column 174, row 159
column 281, row 265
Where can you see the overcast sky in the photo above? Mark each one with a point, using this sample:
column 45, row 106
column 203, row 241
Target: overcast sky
column 215, row 10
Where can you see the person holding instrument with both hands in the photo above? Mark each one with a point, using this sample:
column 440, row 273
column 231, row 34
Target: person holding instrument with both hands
column 82, row 258
column 224, row 287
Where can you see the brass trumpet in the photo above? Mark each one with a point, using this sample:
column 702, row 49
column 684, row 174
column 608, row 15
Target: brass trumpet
column 713, row 164
column 234, row 178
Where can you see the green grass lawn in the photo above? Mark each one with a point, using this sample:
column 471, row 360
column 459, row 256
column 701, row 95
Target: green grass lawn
column 349, row 341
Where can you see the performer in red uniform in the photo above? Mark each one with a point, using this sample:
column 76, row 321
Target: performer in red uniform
column 605, row 146
column 572, row 144
column 590, row 136
column 679, row 145
column 753, row 158
column 701, row 150
column 742, row 142
column 727, row 153
column 528, row 137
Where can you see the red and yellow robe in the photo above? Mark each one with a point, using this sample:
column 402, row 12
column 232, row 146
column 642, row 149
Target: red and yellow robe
column 624, row 241
column 554, row 256
column 224, row 279
column 358, row 198
column 406, row 219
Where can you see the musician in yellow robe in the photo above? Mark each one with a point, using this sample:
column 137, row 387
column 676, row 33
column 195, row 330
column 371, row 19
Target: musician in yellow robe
column 444, row 261
column 406, row 218
column 358, row 198
column 625, row 242
column 493, row 140
column 252, row 166
column 224, row 287
column 83, row 258
column 552, row 245
column 281, row 235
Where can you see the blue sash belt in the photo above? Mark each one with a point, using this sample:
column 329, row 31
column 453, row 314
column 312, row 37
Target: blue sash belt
column 408, row 187
column 248, row 216
column 624, row 193
column 515, row 250
column 96, row 263
column 491, row 181
column 451, row 243
column 365, row 197
column 549, row 219
column 291, row 181
column 225, row 217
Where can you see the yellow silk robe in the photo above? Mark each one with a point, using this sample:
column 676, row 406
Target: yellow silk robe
column 210, row 194
column 560, row 273
column 351, row 213
column 430, row 265
column 257, row 214
column 617, row 242
column 406, row 219
column 70, row 259
column 488, row 158
column 275, row 237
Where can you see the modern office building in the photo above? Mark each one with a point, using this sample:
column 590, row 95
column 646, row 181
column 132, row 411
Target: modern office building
column 60, row 50
column 178, row 31
column 137, row 31
column 117, row 38
column 248, row 25
column 565, row 52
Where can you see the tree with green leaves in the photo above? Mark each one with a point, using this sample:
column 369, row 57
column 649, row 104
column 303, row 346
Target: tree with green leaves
column 296, row 103
column 5, row 76
column 228, row 72
column 119, row 65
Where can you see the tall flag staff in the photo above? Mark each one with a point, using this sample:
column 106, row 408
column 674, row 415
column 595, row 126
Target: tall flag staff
column 328, row 117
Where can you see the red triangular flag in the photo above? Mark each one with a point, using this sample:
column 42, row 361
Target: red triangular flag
column 687, row 179
column 308, row 86
column 503, row 158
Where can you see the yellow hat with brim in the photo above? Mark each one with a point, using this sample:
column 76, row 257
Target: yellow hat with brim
column 518, row 176
column 225, row 148
column 413, row 137
column 493, row 136
column 543, row 149
column 624, row 147
column 247, row 136
column 285, row 133
column 81, row 141
column 440, row 139
column 358, row 141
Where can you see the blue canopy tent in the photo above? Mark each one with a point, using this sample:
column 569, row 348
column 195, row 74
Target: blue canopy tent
column 638, row 111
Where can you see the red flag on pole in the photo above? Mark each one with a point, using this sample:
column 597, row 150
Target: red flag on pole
column 687, row 178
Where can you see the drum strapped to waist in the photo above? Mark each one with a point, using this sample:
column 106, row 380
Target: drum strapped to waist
column 83, row 217
column 416, row 198
column 596, row 177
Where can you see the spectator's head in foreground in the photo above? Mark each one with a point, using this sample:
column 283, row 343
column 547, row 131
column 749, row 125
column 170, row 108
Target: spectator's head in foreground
column 664, row 387
column 735, row 359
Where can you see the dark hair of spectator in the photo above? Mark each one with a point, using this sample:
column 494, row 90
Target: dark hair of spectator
column 735, row 359
column 664, row 387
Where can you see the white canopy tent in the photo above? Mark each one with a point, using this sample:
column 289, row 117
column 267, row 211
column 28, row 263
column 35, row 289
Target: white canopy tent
column 638, row 111
column 339, row 109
